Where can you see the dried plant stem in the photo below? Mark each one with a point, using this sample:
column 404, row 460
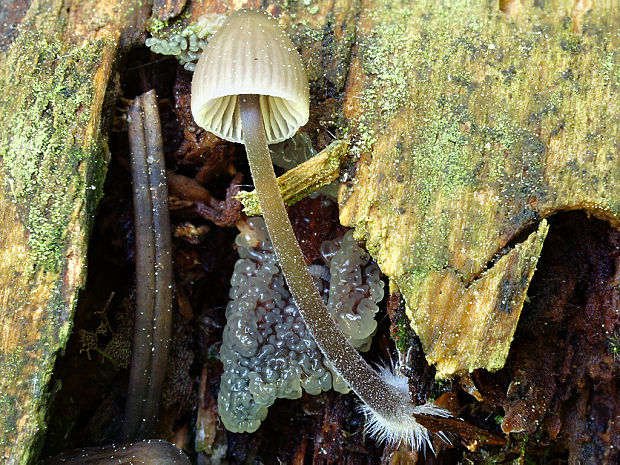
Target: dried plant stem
column 382, row 398
column 153, row 318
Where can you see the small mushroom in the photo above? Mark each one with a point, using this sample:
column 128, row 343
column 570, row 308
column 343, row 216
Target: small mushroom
column 250, row 63
column 250, row 86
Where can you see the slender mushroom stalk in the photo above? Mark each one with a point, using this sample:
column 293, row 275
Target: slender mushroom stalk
column 250, row 87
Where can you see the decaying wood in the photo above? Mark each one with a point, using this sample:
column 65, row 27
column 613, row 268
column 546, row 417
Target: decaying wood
column 472, row 126
column 52, row 164
column 304, row 179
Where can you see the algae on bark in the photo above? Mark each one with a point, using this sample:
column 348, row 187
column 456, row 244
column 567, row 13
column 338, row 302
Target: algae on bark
column 472, row 126
column 53, row 159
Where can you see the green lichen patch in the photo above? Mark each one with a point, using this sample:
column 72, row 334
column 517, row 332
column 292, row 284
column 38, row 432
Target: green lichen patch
column 43, row 112
column 470, row 126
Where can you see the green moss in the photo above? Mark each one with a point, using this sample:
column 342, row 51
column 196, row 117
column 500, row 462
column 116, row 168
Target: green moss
column 250, row 203
column 441, row 153
column 52, row 166
column 48, row 107
column 401, row 336
column 11, row 365
column 10, row 417
column 384, row 54
column 448, row 87
column 608, row 65
column 156, row 26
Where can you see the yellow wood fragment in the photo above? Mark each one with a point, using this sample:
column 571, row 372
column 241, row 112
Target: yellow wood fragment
column 304, row 179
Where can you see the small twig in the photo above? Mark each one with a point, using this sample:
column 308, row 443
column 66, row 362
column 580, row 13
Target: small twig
column 468, row 432
column 304, row 179
column 153, row 317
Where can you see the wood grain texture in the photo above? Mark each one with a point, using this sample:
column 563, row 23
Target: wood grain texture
column 471, row 126
column 53, row 158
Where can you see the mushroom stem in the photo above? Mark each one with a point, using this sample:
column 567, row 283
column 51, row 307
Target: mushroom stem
column 388, row 405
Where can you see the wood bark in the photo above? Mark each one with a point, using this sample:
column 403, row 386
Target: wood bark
column 473, row 125
column 53, row 158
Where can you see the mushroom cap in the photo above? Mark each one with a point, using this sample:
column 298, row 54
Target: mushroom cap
column 250, row 54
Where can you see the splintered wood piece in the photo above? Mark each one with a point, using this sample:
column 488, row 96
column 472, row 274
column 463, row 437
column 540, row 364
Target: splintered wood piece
column 304, row 179
column 471, row 125
column 467, row 326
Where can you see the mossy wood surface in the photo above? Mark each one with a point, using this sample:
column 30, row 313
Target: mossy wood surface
column 53, row 158
column 473, row 125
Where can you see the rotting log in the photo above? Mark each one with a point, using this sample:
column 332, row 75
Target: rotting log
column 53, row 158
column 304, row 179
column 472, row 125
column 472, row 121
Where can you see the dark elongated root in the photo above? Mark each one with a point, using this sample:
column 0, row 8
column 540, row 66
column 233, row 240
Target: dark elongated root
column 153, row 320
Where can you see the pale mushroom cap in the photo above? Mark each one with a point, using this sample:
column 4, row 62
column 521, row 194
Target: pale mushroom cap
column 250, row 54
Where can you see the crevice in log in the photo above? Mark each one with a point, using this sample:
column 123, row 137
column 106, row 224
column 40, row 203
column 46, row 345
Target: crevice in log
column 560, row 384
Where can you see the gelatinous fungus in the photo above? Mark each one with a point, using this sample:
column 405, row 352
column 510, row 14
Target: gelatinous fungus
column 267, row 350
